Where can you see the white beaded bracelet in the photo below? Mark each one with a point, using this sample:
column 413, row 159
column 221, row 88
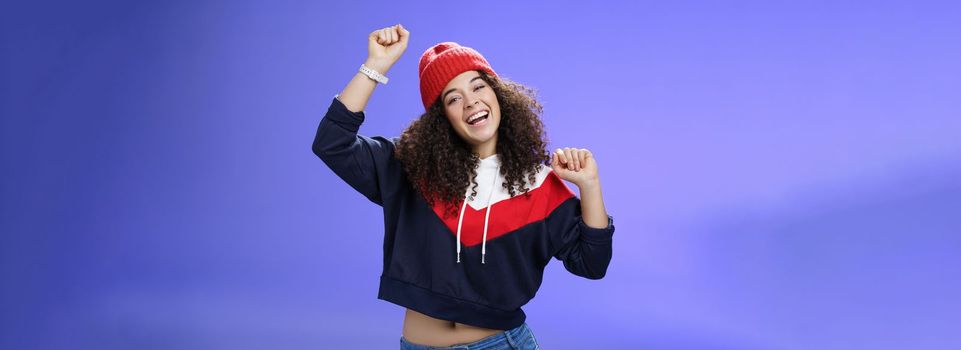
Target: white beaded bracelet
column 373, row 75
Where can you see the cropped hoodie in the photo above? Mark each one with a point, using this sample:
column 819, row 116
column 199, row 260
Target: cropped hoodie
column 480, row 267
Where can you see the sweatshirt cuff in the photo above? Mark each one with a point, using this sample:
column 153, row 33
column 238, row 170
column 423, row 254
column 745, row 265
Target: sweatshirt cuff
column 597, row 235
column 338, row 113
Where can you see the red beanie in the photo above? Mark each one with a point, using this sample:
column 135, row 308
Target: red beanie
column 444, row 61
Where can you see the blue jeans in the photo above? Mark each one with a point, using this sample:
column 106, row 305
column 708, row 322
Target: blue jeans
column 519, row 338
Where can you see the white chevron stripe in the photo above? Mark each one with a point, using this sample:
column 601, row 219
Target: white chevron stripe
column 485, row 174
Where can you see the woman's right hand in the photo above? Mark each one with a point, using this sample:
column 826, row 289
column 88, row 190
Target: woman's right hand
column 385, row 46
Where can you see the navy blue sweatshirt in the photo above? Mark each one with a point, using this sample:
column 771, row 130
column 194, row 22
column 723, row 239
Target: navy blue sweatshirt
column 480, row 267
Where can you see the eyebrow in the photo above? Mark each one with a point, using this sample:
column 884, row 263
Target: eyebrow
column 444, row 96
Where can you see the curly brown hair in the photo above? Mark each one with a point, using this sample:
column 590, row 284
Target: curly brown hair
column 441, row 166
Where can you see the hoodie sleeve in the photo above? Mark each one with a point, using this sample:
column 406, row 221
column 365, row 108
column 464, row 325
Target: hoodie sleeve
column 354, row 158
column 585, row 251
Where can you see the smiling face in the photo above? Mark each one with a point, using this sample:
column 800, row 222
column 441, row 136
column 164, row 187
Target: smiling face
column 473, row 111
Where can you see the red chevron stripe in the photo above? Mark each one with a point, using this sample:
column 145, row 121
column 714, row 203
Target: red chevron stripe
column 510, row 214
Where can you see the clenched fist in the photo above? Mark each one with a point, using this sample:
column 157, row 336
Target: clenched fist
column 576, row 165
column 385, row 46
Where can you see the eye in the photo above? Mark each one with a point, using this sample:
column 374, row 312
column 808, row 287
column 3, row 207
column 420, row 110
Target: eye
column 455, row 98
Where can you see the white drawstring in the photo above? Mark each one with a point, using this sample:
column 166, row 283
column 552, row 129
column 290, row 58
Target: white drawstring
column 460, row 220
column 488, row 213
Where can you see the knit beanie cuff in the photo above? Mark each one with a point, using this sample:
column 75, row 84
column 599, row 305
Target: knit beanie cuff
column 444, row 61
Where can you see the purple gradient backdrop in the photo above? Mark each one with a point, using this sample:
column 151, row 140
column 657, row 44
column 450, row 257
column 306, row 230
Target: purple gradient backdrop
column 783, row 176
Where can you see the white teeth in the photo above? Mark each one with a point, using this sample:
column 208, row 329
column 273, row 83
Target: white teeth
column 476, row 116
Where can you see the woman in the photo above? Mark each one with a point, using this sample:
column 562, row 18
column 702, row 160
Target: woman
column 464, row 273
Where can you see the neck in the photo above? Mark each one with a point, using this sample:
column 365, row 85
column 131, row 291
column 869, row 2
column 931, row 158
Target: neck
column 486, row 149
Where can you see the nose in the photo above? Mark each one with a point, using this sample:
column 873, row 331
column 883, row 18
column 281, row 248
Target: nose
column 474, row 102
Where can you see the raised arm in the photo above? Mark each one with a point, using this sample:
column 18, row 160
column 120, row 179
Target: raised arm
column 584, row 233
column 357, row 159
column 384, row 48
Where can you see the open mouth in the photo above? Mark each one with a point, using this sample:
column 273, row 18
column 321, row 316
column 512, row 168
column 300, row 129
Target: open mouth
column 478, row 118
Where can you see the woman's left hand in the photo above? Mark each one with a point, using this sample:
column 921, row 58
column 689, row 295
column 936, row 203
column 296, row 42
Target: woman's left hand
column 576, row 165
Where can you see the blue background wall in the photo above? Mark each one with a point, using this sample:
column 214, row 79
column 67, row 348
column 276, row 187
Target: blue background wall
column 783, row 176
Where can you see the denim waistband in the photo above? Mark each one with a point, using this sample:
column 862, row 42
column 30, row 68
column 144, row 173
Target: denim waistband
column 509, row 336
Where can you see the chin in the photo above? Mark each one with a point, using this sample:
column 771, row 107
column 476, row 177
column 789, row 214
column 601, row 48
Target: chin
column 476, row 142
column 478, row 139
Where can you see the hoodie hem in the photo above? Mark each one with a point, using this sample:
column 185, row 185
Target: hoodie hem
column 446, row 307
